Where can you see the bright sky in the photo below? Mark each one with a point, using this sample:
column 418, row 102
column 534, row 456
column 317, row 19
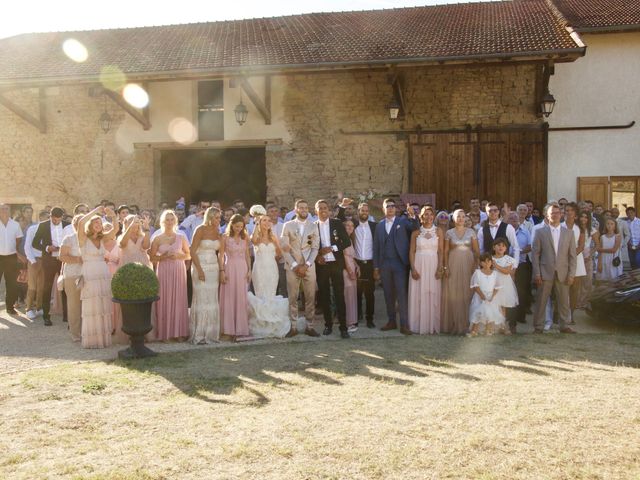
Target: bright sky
column 64, row 15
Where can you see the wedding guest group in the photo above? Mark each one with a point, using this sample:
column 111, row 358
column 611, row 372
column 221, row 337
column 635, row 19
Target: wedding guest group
column 231, row 274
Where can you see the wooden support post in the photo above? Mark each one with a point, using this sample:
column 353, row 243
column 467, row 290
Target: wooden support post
column 122, row 103
column 39, row 123
column 145, row 110
column 263, row 107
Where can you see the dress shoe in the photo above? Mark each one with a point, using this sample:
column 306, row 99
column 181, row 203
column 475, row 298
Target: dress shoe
column 64, row 320
column 12, row 311
column 327, row 331
column 388, row 326
column 370, row 324
column 311, row 332
column 352, row 329
column 344, row 334
column 567, row 330
column 405, row 331
column 522, row 320
column 32, row 314
column 47, row 322
column 292, row 333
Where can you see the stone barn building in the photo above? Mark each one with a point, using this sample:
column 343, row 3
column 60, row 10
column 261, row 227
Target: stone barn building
column 468, row 80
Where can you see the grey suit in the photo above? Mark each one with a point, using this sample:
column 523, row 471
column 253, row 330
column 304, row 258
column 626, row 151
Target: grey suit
column 554, row 269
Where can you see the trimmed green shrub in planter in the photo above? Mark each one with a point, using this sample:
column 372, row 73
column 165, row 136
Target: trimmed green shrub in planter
column 135, row 287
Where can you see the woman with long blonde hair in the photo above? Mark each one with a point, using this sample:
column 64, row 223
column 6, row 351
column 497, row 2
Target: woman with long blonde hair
column 169, row 250
column 205, row 311
column 97, row 307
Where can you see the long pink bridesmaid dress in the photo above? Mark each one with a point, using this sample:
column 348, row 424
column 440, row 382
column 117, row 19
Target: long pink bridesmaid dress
column 172, row 311
column 234, row 302
column 112, row 257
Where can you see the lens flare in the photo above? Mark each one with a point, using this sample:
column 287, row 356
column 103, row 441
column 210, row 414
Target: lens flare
column 135, row 95
column 182, row 131
column 112, row 77
column 75, row 50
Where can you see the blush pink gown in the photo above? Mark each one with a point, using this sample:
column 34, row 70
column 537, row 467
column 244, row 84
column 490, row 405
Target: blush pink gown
column 424, row 293
column 234, row 302
column 350, row 287
column 172, row 313
column 112, row 257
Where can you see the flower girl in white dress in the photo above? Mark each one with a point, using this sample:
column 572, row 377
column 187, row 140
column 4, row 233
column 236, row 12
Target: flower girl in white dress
column 505, row 267
column 484, row 309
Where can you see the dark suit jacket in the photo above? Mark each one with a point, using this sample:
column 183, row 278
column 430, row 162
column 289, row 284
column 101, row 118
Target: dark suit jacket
column 338, row 236
column 42, row 238
column 401, row 232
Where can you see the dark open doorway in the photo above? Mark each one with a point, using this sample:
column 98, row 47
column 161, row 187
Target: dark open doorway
column 223, row 174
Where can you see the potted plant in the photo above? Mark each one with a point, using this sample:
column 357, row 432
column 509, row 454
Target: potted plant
column 135, row 287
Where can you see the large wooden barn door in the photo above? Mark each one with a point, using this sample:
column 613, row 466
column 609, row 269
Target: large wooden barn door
column 503, row 166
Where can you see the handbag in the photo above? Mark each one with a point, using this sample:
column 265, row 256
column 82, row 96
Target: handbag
column 615, row 262
column 60, row 283
column 22, row 276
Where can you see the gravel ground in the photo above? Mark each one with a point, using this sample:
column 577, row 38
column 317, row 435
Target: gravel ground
column 27, row 344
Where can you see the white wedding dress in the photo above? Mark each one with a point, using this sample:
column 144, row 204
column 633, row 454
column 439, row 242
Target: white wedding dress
column 268, row 313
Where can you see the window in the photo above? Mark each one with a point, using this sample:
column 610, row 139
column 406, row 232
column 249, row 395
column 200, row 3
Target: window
column 210, row 110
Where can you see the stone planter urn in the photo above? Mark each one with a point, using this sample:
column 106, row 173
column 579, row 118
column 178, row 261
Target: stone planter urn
column 135, row 287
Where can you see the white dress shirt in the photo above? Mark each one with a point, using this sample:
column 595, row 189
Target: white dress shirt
column 9, row 233
column 364, row 242
column 191, row 223
column 325, row 239
column 56, row 238
column 68, row 230
column 388, row 224
column 555, row 234
column 511, row 236
column 31, row 253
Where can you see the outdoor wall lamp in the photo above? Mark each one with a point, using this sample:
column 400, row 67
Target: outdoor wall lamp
column 105, row 118
column 241, row 112
column 547, row 104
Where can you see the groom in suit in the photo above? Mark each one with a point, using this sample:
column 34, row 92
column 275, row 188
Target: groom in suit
column 391, row 262
column 554, row 267
column 330, row 264
column 300, row 242
column 48, row 239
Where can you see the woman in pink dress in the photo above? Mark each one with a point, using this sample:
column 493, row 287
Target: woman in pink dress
column 135, row 241
column 97, row 309
column 350, row 275
column 234, row 279
column 170, row 249
column 425, row 285
column 112, row 257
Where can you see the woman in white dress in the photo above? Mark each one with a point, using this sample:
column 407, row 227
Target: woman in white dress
column 571, row 223
column 204, row 317
column 268, row 313
column 608, row 250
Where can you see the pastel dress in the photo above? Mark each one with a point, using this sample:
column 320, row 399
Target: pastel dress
column 485, row 311
column 172, row 312
column 507, row 295
column 609, row 272
column 461, row 268
column 112, row 257
column 205, row 311
column 268, row 312
column 425, row 293
column 350, row 287
column 133, row 252
column 234, row 304
column 97, row 308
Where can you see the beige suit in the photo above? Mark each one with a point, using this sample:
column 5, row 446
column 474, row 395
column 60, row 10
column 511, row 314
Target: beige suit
column 555, row 269
column 299, row 250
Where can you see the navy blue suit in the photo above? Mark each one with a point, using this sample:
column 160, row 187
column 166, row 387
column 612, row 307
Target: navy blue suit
column 391, row 257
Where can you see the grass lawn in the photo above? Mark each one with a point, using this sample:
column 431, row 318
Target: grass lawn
column 533, row 407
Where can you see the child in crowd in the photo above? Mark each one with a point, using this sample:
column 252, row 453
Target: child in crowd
column 484, row 309
column 505, row 268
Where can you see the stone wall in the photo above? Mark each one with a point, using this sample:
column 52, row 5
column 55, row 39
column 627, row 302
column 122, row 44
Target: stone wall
column 320, row 161
column 75, row 161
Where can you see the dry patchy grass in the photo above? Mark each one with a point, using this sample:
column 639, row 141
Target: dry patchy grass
column 420, row 407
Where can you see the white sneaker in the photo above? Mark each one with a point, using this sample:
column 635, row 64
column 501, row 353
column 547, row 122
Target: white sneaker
column 32, row 314
column 40, row 313
column 352, row 329
column 547, row 328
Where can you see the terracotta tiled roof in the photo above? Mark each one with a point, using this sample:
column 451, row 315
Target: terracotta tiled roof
column 593, row 15
column 446, row 32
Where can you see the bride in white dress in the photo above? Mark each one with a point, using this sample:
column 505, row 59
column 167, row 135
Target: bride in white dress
column 268, row 312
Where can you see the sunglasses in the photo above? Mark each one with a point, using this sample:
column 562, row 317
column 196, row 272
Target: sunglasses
column 389, row 205
column 494, row 210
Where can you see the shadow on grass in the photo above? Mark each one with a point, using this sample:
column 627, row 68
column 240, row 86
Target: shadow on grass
column 213, row 375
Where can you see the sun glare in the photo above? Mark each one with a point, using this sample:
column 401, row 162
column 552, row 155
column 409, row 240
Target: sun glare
column 135, row 95
column 75, row 50
column 182, row 131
